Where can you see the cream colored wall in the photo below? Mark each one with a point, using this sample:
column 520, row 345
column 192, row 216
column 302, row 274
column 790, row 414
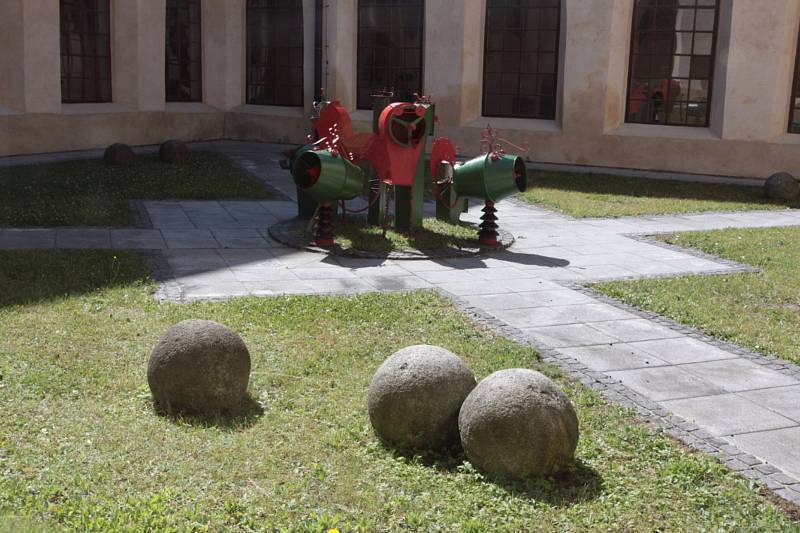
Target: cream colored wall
column 747, row 136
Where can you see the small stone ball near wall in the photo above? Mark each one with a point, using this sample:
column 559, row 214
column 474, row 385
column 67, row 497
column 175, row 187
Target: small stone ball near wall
column 118, row 154
column 415, row 396
column 517, row 423
column 172, row 151
column 782, row 186
column 199, row 367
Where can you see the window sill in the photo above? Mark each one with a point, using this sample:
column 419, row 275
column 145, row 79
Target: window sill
column 663, row 132
column 271, row 110
column 189, row 107
column 94, row 109
column 517, row 124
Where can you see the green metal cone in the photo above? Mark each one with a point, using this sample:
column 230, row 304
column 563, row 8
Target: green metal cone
column 327, row 177
column 491, row 179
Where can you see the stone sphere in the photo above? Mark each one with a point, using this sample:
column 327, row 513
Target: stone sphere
column 199, row 366
column 517, row 423
column 415, row 395
column 782, row 186
column 118, row 154
column 173, row 152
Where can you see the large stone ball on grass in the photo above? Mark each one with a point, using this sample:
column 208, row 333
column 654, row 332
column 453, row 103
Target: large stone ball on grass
column 782, row 186
column 173, row 151
column 415, row 395
column 199, row 367
column 517, row 423
column 118, row 154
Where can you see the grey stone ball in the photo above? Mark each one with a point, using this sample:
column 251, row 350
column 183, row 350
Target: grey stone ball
column 118, row 154
column 173, row 151
column 517, row 423
column 199, row 366
column 415, row 395
column 782, row 186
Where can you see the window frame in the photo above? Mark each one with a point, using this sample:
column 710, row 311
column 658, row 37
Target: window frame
column 359, row 54
column 249, row 83
column 184, row 62
column 795, row 94
column 100, row 85
column 557, row 73
column 712, row 72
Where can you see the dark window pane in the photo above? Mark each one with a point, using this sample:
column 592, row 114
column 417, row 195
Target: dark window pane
column 672, row 62
column 794, row 105
column 275, row 52
column 521, row 61
column 184, row 51
column 390, row 34
column 85, row 45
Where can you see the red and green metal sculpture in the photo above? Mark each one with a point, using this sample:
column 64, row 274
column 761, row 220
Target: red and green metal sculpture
column 339, row 165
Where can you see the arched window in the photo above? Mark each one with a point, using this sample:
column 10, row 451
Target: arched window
column 671, row 73
column 520, row 60
column 275, row 52
column 184, row 59
column 85, row 51
column 390, row 37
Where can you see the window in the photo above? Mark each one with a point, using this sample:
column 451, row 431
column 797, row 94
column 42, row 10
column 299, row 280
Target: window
column 520, row 61
column 275, row 52
column 85, row 51
column 794, row 110
column 389, row 48
column 184, row 59
column 671, row 69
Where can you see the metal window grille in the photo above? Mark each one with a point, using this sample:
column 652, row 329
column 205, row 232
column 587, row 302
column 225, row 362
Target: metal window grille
column 390, row 48
column 184, row 56
column 520, row 61
column 671, row 71
column 85, row 51
column 275, row 52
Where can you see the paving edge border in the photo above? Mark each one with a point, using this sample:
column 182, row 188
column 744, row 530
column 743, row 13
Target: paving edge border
column 771, row 478
column 285, row 232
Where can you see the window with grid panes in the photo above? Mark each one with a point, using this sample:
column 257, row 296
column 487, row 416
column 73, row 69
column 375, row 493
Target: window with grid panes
column 390, row 48
column 85, row 51
column 275, row 52
column 184, row 53
column 520, row 61
column 794, row 110
column 671, row 71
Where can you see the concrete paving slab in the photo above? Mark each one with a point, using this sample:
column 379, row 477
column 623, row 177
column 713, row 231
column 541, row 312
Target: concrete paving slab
column 83, row 239
column 736, row 375
column 193, row 239
column 568, row 336
column 565, row 314
column 188, row 261
column 665, row 383
column 609, row 357
column 783, row 400
column 395, row 283
column 727, row 414
column 683, row 350
column 636, row 329
column 239, row 238
column 778, row 447
column 137, row 239
column 27, row 239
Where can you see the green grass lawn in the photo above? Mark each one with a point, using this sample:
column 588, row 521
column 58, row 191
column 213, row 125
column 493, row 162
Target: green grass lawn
column 595, row 195
column 92, row 193
column 81, row 448
column 757, row 310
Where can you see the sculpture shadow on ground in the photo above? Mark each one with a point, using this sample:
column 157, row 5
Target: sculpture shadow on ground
column 239, row 418
column 574, row 483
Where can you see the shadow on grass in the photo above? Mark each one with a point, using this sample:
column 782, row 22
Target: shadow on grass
column 571, row 484
column 653, row 188
column 241, row 417
column 29, row 277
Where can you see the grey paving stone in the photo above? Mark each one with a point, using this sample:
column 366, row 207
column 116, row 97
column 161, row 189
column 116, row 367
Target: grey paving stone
column 666, row 383
column 215, row 291
column 567, row 314
column 683, row 350
column 195, row 239
column 636, row 329
column 782, row 400
column 736, row 375
column 607, row 357
column 778, row 447
column 188, row 261
column 395, row 283
column 470, row 288
column 27, row 239
column 137, row 239
column 239, row 238
column 83, row 239
column 246, row 259
column 568, row 336
column 264, row 274
column 727, row 414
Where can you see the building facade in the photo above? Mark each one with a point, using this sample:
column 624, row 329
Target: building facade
column 691, row 86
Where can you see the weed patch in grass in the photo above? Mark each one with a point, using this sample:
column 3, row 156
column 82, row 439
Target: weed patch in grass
column 81, row 448
column 93, row 193
column 597, row 195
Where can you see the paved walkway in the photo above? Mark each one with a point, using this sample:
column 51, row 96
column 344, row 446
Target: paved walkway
column 743, row 407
